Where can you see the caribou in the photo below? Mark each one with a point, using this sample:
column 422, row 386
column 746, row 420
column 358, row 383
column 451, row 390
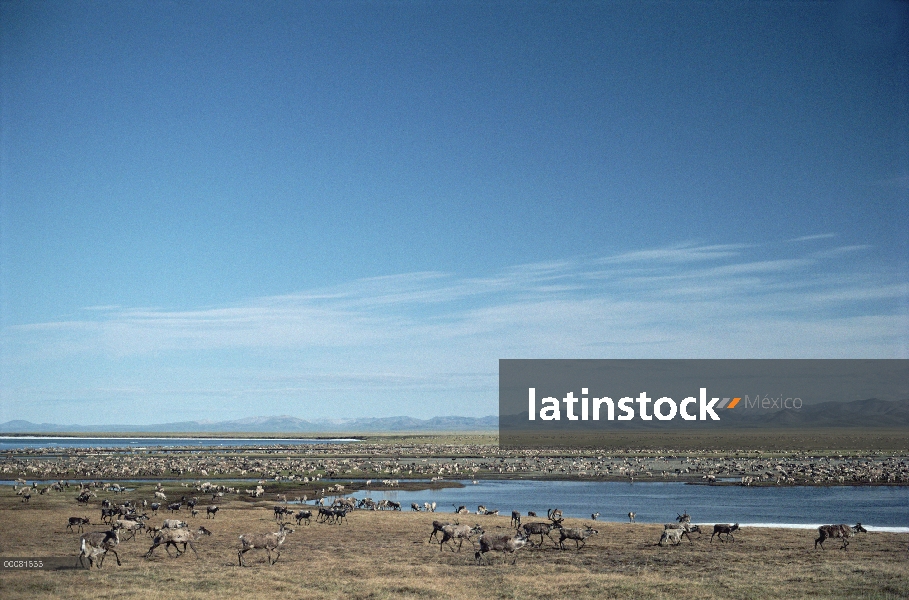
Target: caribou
column 579, row 535
column 837, row 531
column 96, row 545
column 437, row 527
column 266, row 541
column 77, row 522
column 506, row 543
column 720, row 529
column 540, row 529
column 459, row 532
column 172, row 537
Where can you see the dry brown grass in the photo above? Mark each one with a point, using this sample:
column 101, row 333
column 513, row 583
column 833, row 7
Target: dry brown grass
column 386, row 555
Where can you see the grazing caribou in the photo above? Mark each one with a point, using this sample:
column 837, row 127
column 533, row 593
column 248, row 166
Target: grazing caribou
column 673, row 536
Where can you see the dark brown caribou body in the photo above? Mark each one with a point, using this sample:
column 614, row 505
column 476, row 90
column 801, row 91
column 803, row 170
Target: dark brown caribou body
column 723, row 528
column 540, row 529
column 837, row 531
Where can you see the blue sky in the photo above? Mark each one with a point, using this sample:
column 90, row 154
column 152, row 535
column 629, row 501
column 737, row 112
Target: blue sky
column 228, row 209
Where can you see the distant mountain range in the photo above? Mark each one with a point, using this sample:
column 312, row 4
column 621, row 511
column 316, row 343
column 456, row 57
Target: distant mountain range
column 281, row 424
column 859, row 413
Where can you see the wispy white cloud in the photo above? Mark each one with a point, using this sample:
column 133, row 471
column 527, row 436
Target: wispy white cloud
column 678, row 254
column 413, row 343
column 812, row 238
column 841, row 251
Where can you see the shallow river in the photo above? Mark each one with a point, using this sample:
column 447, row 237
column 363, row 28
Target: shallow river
column 881, row 507
column 31, row 443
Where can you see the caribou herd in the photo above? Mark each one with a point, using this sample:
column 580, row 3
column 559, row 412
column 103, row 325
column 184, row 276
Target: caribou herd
column 125, row 520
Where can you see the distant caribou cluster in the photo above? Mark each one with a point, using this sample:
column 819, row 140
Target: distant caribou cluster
column 386, row 465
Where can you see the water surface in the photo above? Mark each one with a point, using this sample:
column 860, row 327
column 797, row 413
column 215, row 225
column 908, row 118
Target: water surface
column 32, row 443
column 660, row 502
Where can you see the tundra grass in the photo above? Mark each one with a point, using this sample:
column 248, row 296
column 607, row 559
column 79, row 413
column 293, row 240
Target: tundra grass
column 387, row 555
